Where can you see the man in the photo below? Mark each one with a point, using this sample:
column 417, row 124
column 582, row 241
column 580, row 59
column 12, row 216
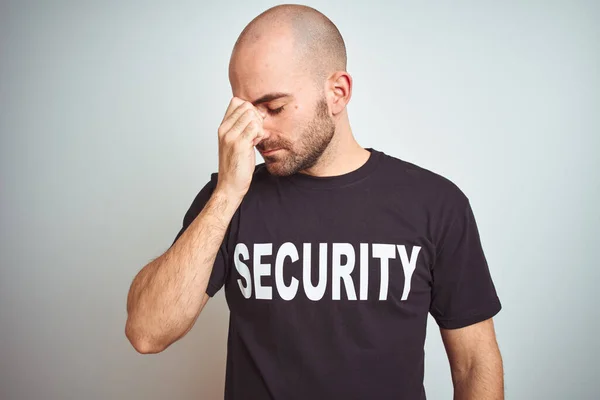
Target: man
column 331, row 255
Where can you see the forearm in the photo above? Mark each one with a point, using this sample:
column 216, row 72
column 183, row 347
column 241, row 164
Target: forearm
column 165, row 297
column 484, row 380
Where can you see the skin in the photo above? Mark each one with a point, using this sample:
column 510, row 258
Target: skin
column 309, row 125
column 290, row 91
column 475, row 361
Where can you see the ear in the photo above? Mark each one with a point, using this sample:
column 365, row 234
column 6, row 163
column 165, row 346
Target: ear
column 339, row 90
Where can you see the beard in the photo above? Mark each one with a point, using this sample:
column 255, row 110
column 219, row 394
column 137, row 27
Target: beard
column 313, row 142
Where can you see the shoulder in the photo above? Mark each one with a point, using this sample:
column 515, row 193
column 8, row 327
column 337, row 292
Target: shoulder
column 429, row 185
column 260, row 172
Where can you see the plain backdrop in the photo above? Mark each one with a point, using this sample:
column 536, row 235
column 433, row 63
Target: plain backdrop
column 108, row 116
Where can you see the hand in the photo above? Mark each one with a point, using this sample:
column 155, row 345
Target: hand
column 240, row 130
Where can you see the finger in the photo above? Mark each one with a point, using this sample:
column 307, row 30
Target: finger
column 228, row 124
column 233, row 105
column 252, row 132
column 260, row 137
column 241, row 123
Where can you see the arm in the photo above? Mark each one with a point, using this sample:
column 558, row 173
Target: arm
column 475, row 361
column 168, row 294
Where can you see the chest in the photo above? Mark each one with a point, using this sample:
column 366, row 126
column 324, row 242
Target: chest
column 346, row 247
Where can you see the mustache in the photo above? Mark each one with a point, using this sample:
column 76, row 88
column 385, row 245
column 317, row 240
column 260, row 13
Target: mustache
column 268, row 145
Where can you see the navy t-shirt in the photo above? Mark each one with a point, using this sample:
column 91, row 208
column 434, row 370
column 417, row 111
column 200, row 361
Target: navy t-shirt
column 329, row 280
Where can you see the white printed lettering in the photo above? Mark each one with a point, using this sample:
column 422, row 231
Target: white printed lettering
column 342, row 264
column 384, row 252
column 286, row 292
column 341, row 272
column 408, row 265
column 314, row 293
column 364, row 271
column 242, row 250
column 260, row 270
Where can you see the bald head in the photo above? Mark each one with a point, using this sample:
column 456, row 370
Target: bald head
column 313, row 42
column 290, row 63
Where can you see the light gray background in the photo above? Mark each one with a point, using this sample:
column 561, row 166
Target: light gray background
column 108, row 116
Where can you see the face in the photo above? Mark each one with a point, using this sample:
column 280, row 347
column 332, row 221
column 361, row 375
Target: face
column 295, row 110
column 285, row 157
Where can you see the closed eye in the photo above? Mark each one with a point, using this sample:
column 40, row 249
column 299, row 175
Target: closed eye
column 275, row 111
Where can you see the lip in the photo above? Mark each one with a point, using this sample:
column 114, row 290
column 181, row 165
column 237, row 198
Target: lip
column 266, row 153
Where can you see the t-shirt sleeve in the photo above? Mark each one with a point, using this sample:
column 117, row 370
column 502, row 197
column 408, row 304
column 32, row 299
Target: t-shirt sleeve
column 463, row 292
column 219, row 271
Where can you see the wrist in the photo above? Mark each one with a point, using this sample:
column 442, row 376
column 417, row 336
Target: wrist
column 226, row 194
column 226, row 202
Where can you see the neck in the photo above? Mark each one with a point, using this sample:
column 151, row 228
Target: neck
column 343, row 155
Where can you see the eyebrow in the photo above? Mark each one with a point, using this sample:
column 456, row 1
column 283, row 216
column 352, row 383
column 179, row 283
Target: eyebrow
column 270, row 97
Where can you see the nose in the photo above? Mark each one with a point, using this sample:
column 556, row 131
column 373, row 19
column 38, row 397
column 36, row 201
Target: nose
column 267, row 123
